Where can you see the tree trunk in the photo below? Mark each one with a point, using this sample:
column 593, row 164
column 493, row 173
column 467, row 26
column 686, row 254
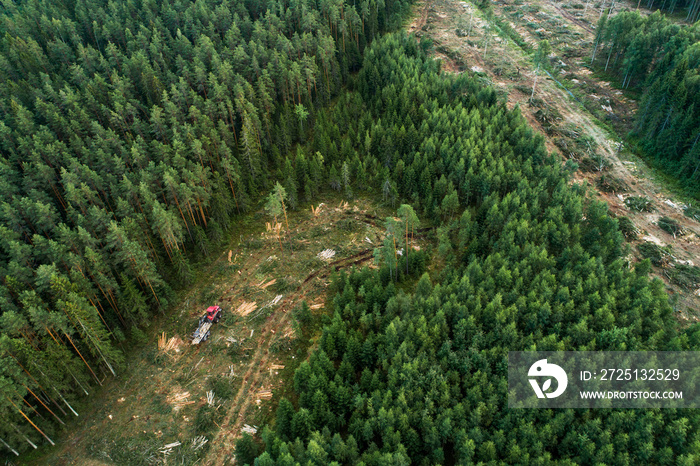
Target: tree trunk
column 9, row 447
column 30, row 421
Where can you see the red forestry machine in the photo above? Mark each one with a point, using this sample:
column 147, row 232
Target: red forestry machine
column 212, row 316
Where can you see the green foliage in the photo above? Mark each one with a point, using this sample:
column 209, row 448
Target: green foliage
column 670, row 226
column 692, row 212
column 611, row 184
column 204, row 420
column 246, row 450
column 659, row 256
column 302, row 314
column 419, row 375
column 639, row 204
column 221, row 386
column 285, row 413
column 138, row 336
column 627, row 228
column 659, row 58
column 542, row 54
column 685, row 276
column 505, row 29
column 273, row 206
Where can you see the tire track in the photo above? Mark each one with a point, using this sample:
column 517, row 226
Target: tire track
column 224, row 441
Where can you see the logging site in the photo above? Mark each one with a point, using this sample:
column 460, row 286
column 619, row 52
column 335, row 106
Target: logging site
column 324, row 231
column 271, row 285
column 538, row 54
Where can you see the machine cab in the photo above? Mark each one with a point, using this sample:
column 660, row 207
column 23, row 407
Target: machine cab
column 213, row 314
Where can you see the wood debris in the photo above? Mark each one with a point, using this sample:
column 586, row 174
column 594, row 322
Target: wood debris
column 326, row 254
column 246, row 308
column 316, row 306
column 168, row 345
column 271, row 282
column 274, row 228
column 249, row 429
column 265, row 394
column 276, row 366
column 230, row 253
column 275, row 300
column 166, row 449
column 198, row 442
column 178, row 400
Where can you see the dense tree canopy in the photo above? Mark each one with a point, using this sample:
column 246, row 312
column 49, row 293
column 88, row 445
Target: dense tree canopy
column 421, row 377
column 134, row 132
column 131, row 134
column 662, row 59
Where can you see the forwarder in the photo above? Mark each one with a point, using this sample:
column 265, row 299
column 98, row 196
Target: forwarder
column 203, row 331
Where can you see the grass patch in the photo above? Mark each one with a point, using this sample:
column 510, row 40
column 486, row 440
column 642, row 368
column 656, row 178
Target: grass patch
column 209, row 294
column 221, row 386
column 267, row 267
column 252, row 243
column 159, row 405
column 282, row 285
column 206, row 419
column 142, row 449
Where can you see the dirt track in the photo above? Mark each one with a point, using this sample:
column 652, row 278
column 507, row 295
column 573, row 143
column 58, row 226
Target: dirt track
column 257, row 375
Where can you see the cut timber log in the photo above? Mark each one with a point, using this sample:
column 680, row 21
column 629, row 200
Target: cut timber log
column 202, row 333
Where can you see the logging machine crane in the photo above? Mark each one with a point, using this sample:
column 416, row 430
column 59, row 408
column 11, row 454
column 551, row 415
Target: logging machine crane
column 211, row 317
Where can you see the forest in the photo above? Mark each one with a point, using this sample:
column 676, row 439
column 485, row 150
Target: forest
column 133, row 134
column 692, row 7
column 420, row 376
column 136, row 133
column 660, row 59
